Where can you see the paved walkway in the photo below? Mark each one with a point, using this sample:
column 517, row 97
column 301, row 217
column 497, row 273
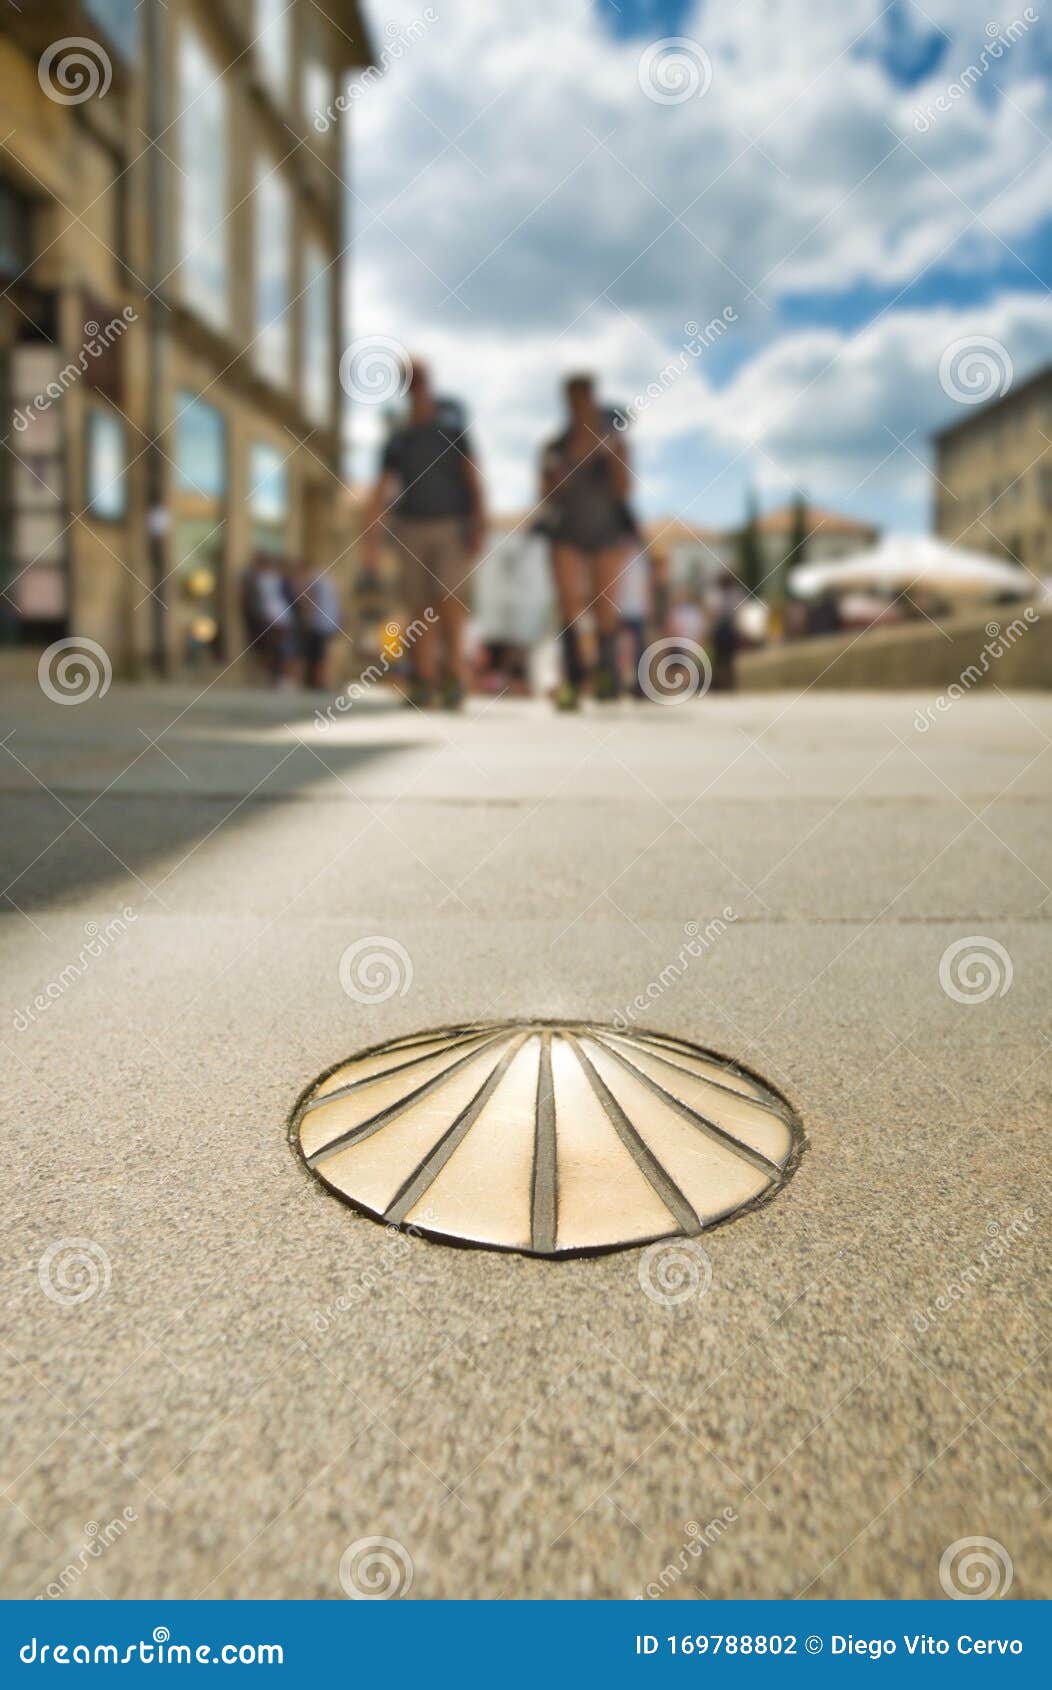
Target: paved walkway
column 257, row 1377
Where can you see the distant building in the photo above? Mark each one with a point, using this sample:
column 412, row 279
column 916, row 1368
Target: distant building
column 171, row 271
column 829, row 535
column 695, row 556
column 993, row 476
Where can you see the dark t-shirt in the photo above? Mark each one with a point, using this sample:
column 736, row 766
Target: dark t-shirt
column 429, row 461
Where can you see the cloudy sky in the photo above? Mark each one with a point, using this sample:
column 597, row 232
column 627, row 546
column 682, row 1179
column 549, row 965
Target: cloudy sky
column 538, row 187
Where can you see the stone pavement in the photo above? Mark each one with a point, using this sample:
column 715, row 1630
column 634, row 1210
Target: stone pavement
column 204, row 1346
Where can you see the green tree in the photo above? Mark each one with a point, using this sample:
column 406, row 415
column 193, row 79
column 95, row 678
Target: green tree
column 798, row 535
column 750, row 554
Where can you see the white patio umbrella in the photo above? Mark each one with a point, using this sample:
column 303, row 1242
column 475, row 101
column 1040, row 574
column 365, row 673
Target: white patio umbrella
column 919, row 561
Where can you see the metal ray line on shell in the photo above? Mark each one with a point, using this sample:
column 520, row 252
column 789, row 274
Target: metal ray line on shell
column 429, row 1169
column 648, row 1164
column 544, row 1195
column 772, row 1106
column 717, row 1133
column 455, row 1043
column 365, row 1129
column 756, row 1090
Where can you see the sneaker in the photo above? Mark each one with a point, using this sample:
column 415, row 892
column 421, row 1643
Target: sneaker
column 452, row 694
column 417, row 695
column 567, row 697
column 605, row 687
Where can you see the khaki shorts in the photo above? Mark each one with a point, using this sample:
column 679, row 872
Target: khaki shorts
column 434, row 556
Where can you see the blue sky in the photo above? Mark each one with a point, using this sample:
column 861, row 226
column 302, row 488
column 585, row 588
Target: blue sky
column 860, row 193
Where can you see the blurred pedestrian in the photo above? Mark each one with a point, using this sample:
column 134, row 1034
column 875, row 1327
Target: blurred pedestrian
column 318, row 608
column 725, row 604
column 824, row 614
column 686, row 621
column 430, row 488
column 270, row 619
column 584, row 489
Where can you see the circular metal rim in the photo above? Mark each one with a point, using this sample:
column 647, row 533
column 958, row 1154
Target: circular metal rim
column 528, row 1023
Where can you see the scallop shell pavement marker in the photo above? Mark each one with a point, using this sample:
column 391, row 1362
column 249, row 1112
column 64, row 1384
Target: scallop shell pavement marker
column 549, row 1138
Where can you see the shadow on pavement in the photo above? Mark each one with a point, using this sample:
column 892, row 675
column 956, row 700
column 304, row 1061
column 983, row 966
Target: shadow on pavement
column 100, row 796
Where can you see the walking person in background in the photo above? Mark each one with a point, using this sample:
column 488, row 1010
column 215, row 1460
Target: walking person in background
column 430, row 487
column 725, row 605
column 270, row 620
column 686, row 621
column 318, row 605
column 584, row 490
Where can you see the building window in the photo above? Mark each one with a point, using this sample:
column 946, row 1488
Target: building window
column 273, row 43
column 268, row 497
column 199, row 535
column 200, row 447
column 317, row 335
column 203, row 184
column 16, row 226
column 119, row 19
column 319, row 84
column 273, row 210
column 105, row 467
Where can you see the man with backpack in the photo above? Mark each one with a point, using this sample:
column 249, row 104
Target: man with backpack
column 428, row 499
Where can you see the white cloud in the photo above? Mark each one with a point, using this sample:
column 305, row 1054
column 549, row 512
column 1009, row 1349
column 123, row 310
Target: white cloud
column 826, row 407
column 519, row 164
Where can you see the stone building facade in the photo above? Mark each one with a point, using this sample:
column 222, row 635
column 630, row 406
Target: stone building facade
column 993, row 476
column 172, row 277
